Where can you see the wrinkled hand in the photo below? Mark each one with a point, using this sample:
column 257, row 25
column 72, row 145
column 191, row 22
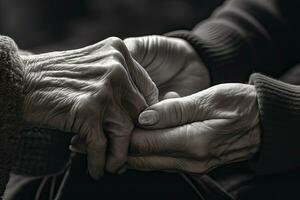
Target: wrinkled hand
column 171, row 63
column 197, row 133
column 97, row 91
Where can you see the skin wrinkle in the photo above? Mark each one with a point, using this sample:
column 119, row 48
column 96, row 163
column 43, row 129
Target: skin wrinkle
column 169, row 55
column 218, row 151
column 133, row 69
column 221, row 108
column 73, row 115
column 157, row 47
column 222, row 120
column 126, row 67
column 216, row 136
column 72, row 90
column 174, row 76
column 153, row 54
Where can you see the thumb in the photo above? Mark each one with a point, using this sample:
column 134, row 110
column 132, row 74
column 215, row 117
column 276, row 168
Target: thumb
column 169, row 113
column 171, row 95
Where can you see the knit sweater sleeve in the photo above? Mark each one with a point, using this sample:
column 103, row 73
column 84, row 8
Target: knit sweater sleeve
column 246, row 36
column 11, row 103
column 279, row 106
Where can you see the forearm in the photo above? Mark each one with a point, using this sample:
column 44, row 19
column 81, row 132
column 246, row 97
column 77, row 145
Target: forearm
column 246, row 36
column 279, row 107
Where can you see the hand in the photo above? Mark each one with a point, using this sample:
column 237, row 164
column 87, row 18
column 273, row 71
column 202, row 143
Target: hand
column 96, row 91
column 197, row 133
column 171, row 63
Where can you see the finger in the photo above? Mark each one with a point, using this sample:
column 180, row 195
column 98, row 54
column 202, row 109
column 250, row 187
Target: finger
column 171, row 95
column 136, row 48
column 139, row 75
column 125, row 90
column 117, row 156
column 132, row 101
column 118, row 127
column 169, row 113
column 78, row 148
column 155, row 54
column 171, row 141
column 96, row 150
column 144, row 83
column 78, row 145
column 161, row 163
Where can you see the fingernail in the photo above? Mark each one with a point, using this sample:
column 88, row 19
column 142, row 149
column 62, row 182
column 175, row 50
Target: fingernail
column 148, row 117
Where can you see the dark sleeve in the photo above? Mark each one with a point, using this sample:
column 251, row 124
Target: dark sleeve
column 11, row 104
column 246, row 36
column 279, row 106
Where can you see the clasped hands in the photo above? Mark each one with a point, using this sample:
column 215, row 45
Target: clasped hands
column 143, row 103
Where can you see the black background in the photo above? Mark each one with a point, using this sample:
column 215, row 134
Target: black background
column 44, row 25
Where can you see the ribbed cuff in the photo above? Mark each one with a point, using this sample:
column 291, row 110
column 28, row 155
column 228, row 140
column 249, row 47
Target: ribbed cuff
column 223, row 49
column 279, row 105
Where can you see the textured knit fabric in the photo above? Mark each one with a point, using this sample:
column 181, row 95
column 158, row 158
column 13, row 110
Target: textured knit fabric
column 279, row 105
column 27, row 151
column 246, row 36
column 11, row 103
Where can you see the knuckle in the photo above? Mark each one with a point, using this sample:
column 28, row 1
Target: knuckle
column 119, row 45
column 115, row 41
column 116, row 55
column 118, row 72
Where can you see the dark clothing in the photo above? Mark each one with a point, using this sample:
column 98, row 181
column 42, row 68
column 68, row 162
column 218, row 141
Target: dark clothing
column 246, row 36
column 240, row 38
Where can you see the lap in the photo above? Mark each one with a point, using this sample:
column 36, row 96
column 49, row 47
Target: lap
column 130, row 185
